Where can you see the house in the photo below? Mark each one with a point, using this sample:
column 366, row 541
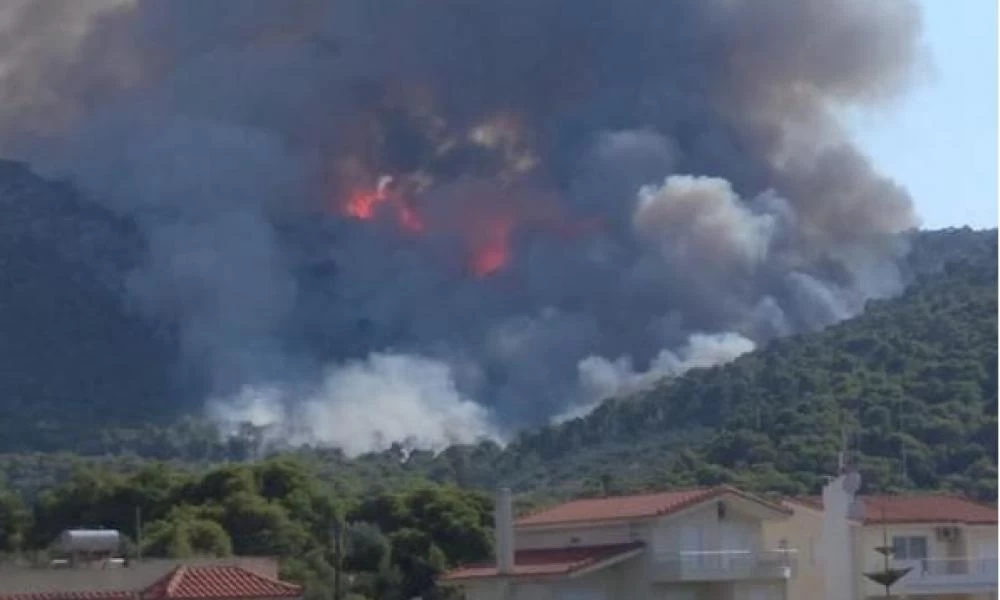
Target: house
column 949, row 544
column 156, row 579
column 722, row 543
column 709, row 543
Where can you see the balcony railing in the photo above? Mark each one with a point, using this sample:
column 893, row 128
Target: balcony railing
column 950, row 575
column 724, row 565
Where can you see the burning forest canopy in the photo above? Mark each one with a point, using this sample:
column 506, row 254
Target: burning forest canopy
column 372, row 221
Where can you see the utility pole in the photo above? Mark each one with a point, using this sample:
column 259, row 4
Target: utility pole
column 336, row 532
column 138, row 533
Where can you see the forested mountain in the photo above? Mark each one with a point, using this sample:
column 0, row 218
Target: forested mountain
column 909, row 388
column 71, row 352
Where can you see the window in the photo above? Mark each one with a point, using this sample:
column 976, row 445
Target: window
column 913, row 547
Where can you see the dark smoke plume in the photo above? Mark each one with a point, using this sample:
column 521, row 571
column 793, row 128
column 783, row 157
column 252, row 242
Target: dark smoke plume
column 374, row 220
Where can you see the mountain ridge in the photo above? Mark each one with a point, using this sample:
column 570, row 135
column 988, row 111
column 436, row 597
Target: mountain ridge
column 69, row 337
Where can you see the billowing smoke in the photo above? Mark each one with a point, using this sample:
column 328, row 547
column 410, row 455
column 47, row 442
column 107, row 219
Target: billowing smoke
column 602, row 378
column 435, row 221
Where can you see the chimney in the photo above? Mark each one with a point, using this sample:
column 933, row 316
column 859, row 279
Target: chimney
column 504, row 523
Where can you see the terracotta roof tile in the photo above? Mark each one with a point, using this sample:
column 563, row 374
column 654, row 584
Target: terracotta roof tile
column 199, row 582
column 547, row 561
column 914, row 508
column 632, row 507
column 927, row 509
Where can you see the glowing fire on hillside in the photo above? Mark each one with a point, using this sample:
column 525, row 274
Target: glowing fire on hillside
column 486, row 235
column 365, row 204
column 493, row 252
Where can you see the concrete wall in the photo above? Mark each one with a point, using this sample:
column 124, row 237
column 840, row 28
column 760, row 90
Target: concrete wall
column 718, row 591
column 982, row 541
column 20, row 579
column 681, row 591
column 803, row 531
column 754, row 591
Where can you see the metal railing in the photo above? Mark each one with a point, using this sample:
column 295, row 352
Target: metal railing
column 955, row 574
column 931, row 567
column 707, row 565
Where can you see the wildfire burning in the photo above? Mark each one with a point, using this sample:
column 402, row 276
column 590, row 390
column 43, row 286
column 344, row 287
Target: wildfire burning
column 365, row 204
column 493, row 252
column 488, row 241
column 484, row 233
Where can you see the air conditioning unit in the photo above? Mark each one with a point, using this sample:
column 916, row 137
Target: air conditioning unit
column 947, row 534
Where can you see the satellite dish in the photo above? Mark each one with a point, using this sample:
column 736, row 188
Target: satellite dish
column 852, row 483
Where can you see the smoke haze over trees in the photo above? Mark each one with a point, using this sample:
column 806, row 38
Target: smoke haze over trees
column 375, row 221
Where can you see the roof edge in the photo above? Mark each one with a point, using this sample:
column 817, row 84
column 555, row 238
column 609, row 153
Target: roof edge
column 699, row 495
column 627, row 550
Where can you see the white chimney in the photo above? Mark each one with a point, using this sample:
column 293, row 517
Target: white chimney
column 839, row 506
column 504, row 523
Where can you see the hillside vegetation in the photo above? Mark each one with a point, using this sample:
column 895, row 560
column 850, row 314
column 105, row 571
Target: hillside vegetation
column 909, row 388
column 388, row 546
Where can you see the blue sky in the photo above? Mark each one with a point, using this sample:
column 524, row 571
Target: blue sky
column 940, row 140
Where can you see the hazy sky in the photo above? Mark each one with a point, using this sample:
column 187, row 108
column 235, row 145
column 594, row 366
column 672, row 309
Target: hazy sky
column 940, row 141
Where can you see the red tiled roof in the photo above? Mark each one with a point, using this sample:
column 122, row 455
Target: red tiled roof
column 633, row 507
column 547, row 561
column 815, row 502
column 69, row 596
column 199, row 582
column 912, row 508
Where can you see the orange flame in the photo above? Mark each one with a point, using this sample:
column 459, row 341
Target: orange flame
column 408, row 218
column 362, row 204
column 487, row 235
column 494, row 252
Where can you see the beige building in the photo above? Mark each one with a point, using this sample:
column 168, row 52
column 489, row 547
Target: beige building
column 715, row 543
column 724, row 544
column 948, row 543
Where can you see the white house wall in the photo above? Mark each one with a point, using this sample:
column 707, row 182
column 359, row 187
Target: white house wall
column 982, row 541
column 700, row 529
column 803, row 532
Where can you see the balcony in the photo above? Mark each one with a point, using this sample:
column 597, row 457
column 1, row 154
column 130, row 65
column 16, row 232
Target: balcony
column 724, row 565
column 949, row 576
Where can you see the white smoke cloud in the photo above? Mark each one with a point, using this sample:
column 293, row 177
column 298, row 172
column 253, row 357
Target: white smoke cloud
column 701, row 220
column 601, row 378
column 365, row 405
